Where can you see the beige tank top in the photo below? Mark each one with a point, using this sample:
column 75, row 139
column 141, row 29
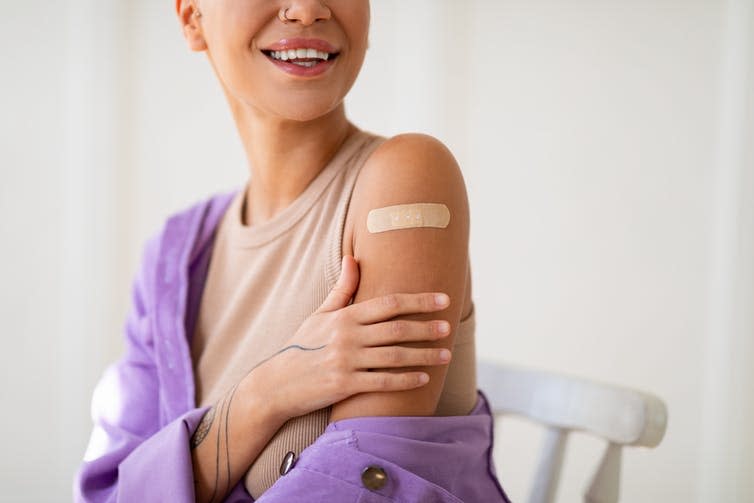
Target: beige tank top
column 265, row 280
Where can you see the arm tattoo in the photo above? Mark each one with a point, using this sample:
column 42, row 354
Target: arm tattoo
column 227, row 449
column 217, row 454
column 206, row 424
column 292, row 346
column 224, row 406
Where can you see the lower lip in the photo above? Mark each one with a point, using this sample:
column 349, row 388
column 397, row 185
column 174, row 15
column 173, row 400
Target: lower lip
column 302, row 71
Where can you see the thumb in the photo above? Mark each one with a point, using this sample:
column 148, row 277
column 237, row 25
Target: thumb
column 346, row 286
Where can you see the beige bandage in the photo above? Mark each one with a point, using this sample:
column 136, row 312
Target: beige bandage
column 407, row 216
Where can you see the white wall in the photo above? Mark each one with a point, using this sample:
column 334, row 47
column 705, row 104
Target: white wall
column 606, row 147
column 29, row 272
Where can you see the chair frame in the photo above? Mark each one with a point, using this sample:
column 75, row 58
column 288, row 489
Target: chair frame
column 562, row 403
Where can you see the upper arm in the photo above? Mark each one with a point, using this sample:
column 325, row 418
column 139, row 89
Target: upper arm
column 405, row 170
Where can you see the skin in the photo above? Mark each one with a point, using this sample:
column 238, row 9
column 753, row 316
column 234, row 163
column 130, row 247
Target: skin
column 368, row 355
column 289, row 127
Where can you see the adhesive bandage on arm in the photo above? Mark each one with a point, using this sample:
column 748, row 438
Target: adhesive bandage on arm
column 407, row 216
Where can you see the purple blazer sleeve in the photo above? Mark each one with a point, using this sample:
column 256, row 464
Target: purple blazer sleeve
column 443, row 459
column 129, row 456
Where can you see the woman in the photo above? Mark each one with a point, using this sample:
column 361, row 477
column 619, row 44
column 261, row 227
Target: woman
column 215, row 400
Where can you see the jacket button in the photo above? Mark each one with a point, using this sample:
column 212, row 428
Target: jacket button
column 287, row 464
column 373, row 477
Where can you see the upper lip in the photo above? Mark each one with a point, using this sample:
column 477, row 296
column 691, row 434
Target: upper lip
column 302, row 43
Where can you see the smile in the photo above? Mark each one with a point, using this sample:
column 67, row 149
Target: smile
column 304, row 57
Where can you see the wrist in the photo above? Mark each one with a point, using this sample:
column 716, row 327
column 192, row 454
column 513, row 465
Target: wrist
column 259, row 401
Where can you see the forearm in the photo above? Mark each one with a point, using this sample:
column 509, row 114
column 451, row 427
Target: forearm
column 230, row 437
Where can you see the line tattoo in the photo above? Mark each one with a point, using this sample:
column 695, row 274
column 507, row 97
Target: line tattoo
column 292, row 346
column 227, row 437
column 205, row 426
column 217, row 454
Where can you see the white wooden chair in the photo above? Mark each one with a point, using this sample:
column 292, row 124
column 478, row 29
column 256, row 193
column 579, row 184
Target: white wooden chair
column 560, row 403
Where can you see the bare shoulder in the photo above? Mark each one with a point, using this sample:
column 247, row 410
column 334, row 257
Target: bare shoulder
column 405, row 169
column 414, row 147
column 412, row 161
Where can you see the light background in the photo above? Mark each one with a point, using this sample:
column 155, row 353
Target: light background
column 607, row 149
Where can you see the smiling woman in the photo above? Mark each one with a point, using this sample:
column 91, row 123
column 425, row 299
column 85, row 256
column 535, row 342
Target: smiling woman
column 281, row 347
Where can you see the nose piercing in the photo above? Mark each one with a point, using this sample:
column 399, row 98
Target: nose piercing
column 197, row 13
column 283, row 15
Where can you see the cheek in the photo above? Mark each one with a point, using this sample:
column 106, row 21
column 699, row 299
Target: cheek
column 231, row 30
column 356, row 24
column 232, row 24
column 354, row 16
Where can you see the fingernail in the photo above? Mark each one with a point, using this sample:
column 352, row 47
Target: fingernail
column 445, row 355
column 441, row 299
column 423, row 378
column 443, row 327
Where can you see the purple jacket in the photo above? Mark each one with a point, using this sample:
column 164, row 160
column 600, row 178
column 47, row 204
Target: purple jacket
column 144, row 411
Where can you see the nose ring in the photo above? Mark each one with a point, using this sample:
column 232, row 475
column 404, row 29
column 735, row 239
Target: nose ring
column 283, row 15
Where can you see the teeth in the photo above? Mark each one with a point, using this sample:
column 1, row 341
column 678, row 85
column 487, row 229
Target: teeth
column 307, row 53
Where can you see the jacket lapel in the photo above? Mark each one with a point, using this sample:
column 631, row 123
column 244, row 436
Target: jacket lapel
column 185, row 251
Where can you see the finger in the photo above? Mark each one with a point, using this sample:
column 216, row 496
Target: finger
column 397, row 331
column 397, row 356
column 344, row 288
column 365, row 382
column 389, row 306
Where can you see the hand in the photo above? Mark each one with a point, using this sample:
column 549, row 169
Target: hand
column 341, row 349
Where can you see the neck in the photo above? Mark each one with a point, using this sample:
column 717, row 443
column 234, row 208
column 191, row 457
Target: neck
column 285, row 156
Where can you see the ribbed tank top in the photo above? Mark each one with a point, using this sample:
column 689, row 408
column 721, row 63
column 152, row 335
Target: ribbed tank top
column 265, row 280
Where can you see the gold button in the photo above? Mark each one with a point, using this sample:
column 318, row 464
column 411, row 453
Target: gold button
column 287, row 463
column 373, row 477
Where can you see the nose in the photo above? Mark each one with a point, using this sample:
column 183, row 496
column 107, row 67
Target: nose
column 307, row 12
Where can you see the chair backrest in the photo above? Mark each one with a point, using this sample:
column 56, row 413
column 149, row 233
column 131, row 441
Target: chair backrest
column 561, row 404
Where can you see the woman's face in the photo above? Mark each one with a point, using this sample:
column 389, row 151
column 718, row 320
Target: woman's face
column 298, row 69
